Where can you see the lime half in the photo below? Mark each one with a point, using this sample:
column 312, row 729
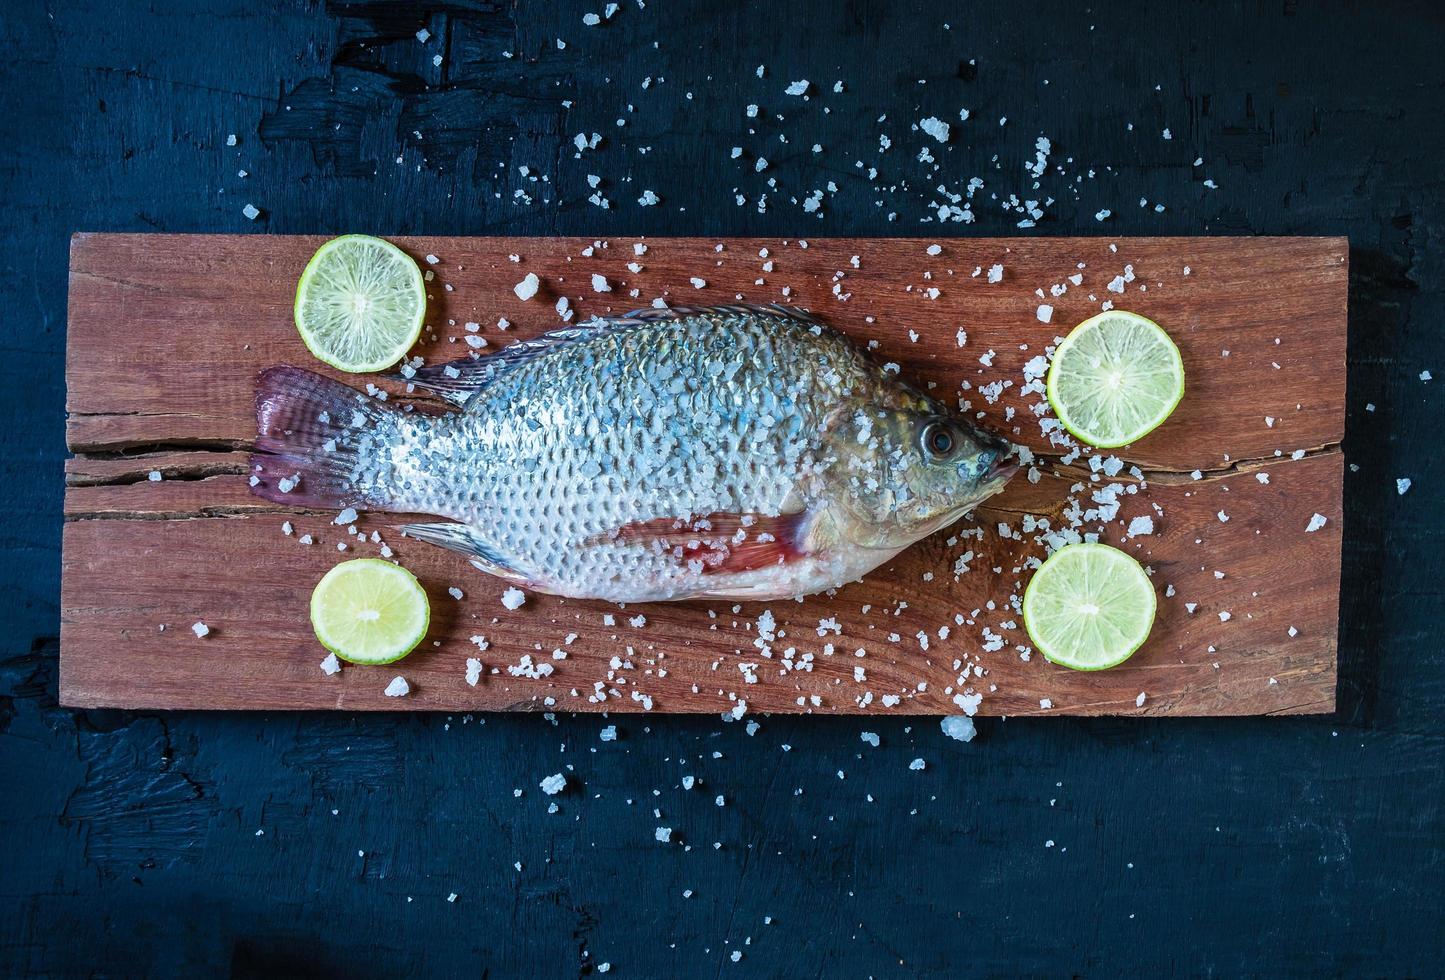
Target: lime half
column 360, row 303
column 1115, row 378
column 1089, row 607
column 369, row 611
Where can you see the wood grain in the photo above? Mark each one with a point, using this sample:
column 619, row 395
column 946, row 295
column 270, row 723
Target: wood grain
column 168, row 332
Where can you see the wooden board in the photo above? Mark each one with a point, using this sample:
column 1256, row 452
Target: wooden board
column 167, row 333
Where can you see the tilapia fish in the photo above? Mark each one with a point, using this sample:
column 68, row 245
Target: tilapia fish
column 724, row 452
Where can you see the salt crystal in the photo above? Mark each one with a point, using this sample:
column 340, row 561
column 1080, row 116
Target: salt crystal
column 528, row 287
column 1402, row 484
column 330, row 665
column 662, row 834
column 155, row 476
column 200, row 629
column 397, row 688
column 554, row 784
column 474, row 671
column 454, row 592
column 1045, row 313
column 870, row 737
column 1139, row 701
column 600, row 284
column 960, row 727
column 936, row 128
column 917, row 765
column 251, row 211
column 797, row 88
column 1316, row 522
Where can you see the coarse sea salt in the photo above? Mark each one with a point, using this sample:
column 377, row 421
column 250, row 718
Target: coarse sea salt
column 513, row 598
column 554, row 784
column 331, row 665
column 935, row 127
column 528, row 287
column 200, row 629
column 959, row 727
column 398, row 688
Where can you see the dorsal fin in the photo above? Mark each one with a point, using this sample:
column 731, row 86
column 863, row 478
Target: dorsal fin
column 457, row 380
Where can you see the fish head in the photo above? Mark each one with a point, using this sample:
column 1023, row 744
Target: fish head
column 902, row 472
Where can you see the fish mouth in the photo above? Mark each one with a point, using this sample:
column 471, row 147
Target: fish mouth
column 1001, row 472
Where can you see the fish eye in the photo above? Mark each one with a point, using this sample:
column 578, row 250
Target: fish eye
column 938, row 440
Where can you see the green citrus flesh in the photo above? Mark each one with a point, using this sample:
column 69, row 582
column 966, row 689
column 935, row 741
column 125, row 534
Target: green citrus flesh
column 369, row 611
column 1115, row 378
column 360, row 303
column 1089, row 607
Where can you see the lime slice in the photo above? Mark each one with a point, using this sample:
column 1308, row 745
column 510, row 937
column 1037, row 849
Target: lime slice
column 360, row 303
column 369, row 611
column 1115, row 378
column 1089, row 607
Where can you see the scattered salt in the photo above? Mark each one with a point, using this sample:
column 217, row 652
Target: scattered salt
column 960, row 727
column 528, row 287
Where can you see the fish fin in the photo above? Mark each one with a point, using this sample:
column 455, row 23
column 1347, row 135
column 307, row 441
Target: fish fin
column 464, row 539
column 307, row 429
column 659, row 314
column 458, row 380
column 724, row 542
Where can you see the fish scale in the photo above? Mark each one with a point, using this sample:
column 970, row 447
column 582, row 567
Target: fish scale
column 582, row 463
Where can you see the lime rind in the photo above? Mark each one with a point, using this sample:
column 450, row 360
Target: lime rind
column 369, row 611
column 360, row 303
column 1115, row 378
column 1089, row 607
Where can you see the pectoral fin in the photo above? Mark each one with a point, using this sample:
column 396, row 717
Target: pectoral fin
column 724, row 542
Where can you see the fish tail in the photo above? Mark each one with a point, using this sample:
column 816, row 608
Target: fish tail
column 317, row 442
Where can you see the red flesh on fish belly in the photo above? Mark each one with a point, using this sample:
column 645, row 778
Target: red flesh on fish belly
column 713, row 539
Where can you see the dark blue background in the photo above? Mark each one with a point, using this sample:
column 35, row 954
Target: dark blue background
column 129, row 842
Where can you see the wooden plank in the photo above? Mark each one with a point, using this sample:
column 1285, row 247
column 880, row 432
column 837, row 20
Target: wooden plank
column 167, row 333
